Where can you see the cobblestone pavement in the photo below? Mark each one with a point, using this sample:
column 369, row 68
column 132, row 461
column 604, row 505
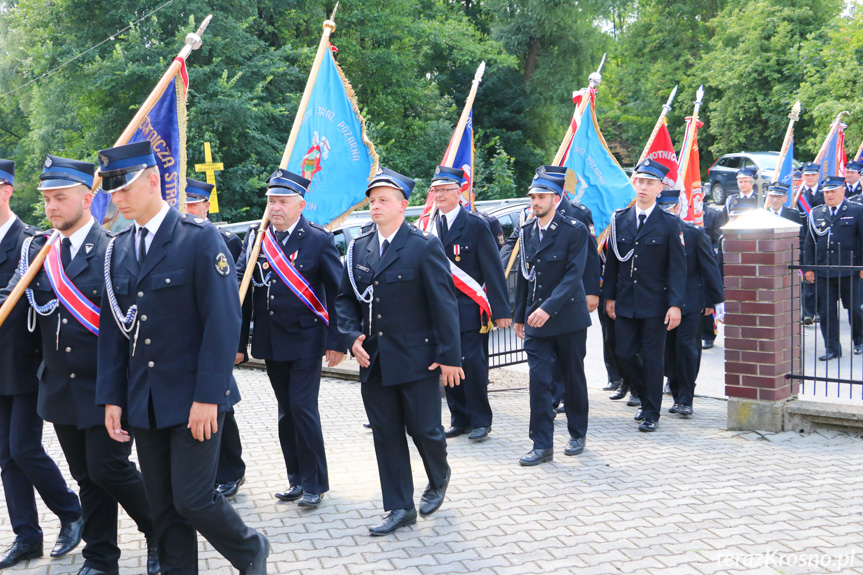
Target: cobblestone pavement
column 692, row 498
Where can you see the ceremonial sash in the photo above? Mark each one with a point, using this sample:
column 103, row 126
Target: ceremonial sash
column 292, row 278
column 471, row 288
column 803, row 201
column 85, row 311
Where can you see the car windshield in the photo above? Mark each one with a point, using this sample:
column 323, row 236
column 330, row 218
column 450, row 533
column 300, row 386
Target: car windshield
column 766, row 162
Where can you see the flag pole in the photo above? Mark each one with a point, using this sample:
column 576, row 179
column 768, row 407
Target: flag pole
column 833, row 127
column 329, row 27
column 793, row 117
column 594, row 80
column 689, row 138
column 193, row 42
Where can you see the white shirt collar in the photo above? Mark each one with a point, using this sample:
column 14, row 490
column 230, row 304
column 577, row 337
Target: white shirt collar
column 290, row 230
column 154, row 223
column 4, row 229
column 389, row 238
column 751, row 194
column 648, row 211
column 78, row 237
column 451, row 215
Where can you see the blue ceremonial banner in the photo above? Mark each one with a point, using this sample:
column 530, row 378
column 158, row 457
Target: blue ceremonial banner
column 332, row 148
column 603, row 186
column 786, row 172
column 834, row 159
column 464, row 160
column 165, row 127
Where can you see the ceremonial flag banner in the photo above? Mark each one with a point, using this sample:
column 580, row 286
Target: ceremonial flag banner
column 834, row 159
column 691, row 196
column 165, row 127
column 603, row 186
column 332, row 148
column 786, row 173
column 662, row 151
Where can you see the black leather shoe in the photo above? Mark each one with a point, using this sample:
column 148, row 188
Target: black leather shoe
column 18, row 552
column 367, row 425
column 633, row 400
column 69, row 538
column 647, row 425
column 560, row 409
column 93, row 571
column 674, row 408
column 259, row 565
column 829, row 355
column 456, row 431
column 620, row 393
column 230, row 488
column 858, row 349
column 310, row 500
column 479, row 433
column 153, row 567
column 807, row 320
column 292, row 494
column 639, row 414
column 685, row 410
column 432, row 499
column 612, row 385
column 396, row 519
column 536, row 456
column 706, row 344
column 575, row 446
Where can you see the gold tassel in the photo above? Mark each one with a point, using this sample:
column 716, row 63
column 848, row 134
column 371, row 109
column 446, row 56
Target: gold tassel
column 487, row 328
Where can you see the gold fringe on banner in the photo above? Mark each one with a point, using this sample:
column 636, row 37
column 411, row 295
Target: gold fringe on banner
column 182, row 118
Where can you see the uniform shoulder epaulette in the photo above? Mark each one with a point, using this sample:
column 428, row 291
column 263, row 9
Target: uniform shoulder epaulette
column 528, row 221
column 620, row 211
column 110, row 233
column 125, row 230
column 318, row 226
column 572, row 221
column 581, row 206
column 366, row 231
column 194, row 220
column 226, row 233
column 418, row 232
column 31, row 230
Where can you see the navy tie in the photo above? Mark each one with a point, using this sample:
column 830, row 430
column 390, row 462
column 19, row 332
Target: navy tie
column 66, row 252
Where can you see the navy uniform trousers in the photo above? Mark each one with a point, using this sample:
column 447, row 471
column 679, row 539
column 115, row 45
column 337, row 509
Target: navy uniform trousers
column 683, row 357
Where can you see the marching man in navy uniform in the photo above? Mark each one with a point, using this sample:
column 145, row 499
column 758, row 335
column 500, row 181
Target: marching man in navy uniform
column 552, row 317
column 834, row 237
column 295, row 285
column 810, row 190
column 853, row 186
column 398, row 309
column 703, row 292
column 65, row 297
column 169, row 330
column 482, row 295
column 24, row 465
column 644, row 287
column 231, row 473
column 777, row 195
column 744, row 200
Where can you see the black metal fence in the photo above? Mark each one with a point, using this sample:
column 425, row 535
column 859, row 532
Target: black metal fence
column 504, row 347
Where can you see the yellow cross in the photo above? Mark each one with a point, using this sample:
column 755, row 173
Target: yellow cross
column 210, row 169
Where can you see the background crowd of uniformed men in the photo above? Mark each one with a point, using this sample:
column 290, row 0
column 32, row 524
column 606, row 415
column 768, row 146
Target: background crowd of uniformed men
column 413, row 307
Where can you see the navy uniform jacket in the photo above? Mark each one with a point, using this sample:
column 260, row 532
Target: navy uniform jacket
column 856, row 190
column 20, row 350
column 736, row 202
column 711, row 226
column 703, row 280
column 815, row 198
column 188, row 323
column 67, row 376
column 234, row 243
column 285, row 328
column 415, row 317
column 494, row 226
column 789, row 214
column 478, row 257
column 834, row 239
column 654, row 278
column 559, row 261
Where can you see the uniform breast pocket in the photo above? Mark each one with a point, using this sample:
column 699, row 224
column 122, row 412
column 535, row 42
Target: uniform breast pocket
column 846, row 222
column 363, row 277
column 400, row 275
column 554, row 257
column 92, row 290
column 168, row 279
column 654, row 241
column 121, row 285
column 305, row 266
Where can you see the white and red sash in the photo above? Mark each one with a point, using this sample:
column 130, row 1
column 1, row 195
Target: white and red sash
column 285, row 269
column 471, row 288
column 85, row 311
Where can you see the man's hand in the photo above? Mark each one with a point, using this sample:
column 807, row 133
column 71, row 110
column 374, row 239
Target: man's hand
column 363, row 357
column 334, row 357
column 592, row 303
column 113, row 413
column 609, row 309
column 503, row 323
column 672, row 318
column 537, row 318
column 241, row 357
column 708, row 310
column 450, row 374
column 519, row 330
column 203, row 420
column 810, row 276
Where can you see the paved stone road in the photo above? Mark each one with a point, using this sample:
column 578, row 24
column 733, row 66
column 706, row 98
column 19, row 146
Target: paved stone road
column 692, row 498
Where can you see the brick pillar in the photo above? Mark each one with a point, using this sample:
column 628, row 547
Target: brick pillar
column 761, row 312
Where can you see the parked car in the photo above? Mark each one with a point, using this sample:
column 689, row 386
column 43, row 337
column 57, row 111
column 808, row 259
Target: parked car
column 722, row 175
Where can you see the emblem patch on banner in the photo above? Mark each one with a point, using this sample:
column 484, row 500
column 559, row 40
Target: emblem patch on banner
column 222, row 265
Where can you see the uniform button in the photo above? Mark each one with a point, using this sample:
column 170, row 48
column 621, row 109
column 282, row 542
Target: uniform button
column 271, row 313
column 538, row 260
column 636, row 243
column 378, row 316
column 68, row 350
column 427, row 340
column 140, row 294
column 71, row 376
column 150, row 364
column 376, row 282
column 538, row 287
column 143, row 318
column 147, row 341
column 540, row 299
column 228, row 392
column 635, row 269
column 272, row 297
column 95, row 292
column 635, row 282
column 167, row 280
column 377, row 299
column 400, row 277
column 65, row 321
column 380, row 334
column 38, row 284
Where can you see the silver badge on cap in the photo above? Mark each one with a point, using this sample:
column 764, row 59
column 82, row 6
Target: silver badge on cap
column 278, row 173
column 48, row 161
column 103, row 159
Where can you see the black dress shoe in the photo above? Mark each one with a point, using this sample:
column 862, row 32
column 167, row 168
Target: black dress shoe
column 230, row 488
column 153, row 566
column 292, row 494
column 18, row 552
column 612, row 385
column 479, row 433
column 367, row 425
column 639, row 414
column 575, row 446
column 309, row 500
column 560, row 409
column 456, row 431
column 807, row 320
column 69, row 538
column 647, row 425
column 685, row 410
column 259, row 565
column 93, row 571
column 674, row 408
column 706, row 344
column 829, row 355
column 432, row 498
column 537, row 456
column 396, row 519
column 858, row 348
column 620, row 393
column 633, row 400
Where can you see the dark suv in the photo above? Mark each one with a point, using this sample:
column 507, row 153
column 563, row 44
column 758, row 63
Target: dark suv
column 722, row 175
